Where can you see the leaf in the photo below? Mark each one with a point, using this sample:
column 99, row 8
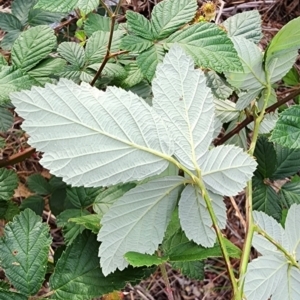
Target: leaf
column 287, row 129
column 35, row 203
column 246, row 24
column 21, row 9
column 3, row 61
column 208, row 45
column 274, row 229
column 218, row 85
column 169, row 15
column 292, row 78
column 47, row 67
column 8, row 209
column 8, row 295
column 239, row 139
column 252, row 76
column 81, row 197
column 24, row 252
column 191, row 269
column 226, row 169
column 134, row 75
column 245, row 98
column 292, row 232
column 149, row 203
column 9, row 39
column 287, row 162
column 32, row 46
column 70, row 230
column 96, row 46
column 6, row 119
column 9, row 22
column 40, row 17
column 106, row 198
column 138, row 259
column 104, row 140
column 8, row 183
column 262, row 278
column 57, row 6
column 73, row 53
column 135, row 43
column 185, row 103
column 194, row 216
column 2, row 143
column 78, row 276
column 265, row 156
column 225, row 110
column 38, row 184
column 139, row 25
column 11, row 80
column 290, row 193
column 148, row 60
column 266, row 199
column 91, row 222
column 86, row 6
column 96, row 22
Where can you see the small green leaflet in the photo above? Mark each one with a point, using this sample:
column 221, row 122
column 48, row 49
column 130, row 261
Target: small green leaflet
column 8, row 183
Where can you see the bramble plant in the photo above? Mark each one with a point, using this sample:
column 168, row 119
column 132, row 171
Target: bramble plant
column 128, row 119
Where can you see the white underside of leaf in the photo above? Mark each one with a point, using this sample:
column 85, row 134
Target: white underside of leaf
column 137, row 221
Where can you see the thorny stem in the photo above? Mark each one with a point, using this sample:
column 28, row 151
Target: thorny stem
column 113, row 17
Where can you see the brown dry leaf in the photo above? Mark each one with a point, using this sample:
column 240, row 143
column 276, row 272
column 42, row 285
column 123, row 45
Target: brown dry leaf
column 22, row 191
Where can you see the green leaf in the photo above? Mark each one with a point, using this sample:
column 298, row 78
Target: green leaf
column 149, row 203
column 139, row 26
column 245, row 98
column 195, row 218
column 96, row 46
column 287, row 162
column 292, row 78
column 82, row 197
column 188, row 99
column 78, row 276
column 32, row 46
column 73, row 53
column 40, row 17
column 135, row 43
column 266, row 199
column 103, row 140
column 24, row 253
column 71, row 72
column 149, row 59
column 96, row 22
column 105, row 199
column 9, row 39
column 57, row 201
column 6, row 119
column 38, row 184
column 143, row 90
column 47, row 67
column 265, row 156
column 8, row 210
column 35, row 203
column 138, row 259
column 191, row 269
column 287, row 129
column 227, row 176
column 290, row 193
column 8, row 295
column 246, row 24
column 87, row 6
column 90, row 222
column 208, row 45
column 57, row 6
column 252, row 76
column 3, row 61
column 8, row 183
column 21, row 9
column 167, row 16
column 11, row 80
column 134, row 75
column 9, row 22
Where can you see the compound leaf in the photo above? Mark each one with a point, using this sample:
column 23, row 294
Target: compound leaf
column 149, row 203
column 226, row 169
column 32, row 46
column 24, row 252
column 98, row 128
column 209, row 46
column 287, row 129
column 8, row 183
column 185, row 103
column 246, row 24
column 167, row 16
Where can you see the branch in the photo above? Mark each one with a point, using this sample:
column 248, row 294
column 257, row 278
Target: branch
column 18, row 157
column 249, row 119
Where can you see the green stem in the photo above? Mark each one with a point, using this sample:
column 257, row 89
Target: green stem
column 166, row 280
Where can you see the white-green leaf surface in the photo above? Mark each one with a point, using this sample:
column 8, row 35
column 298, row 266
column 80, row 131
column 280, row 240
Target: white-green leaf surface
column 245, row 98
column 194, row 216
column 267, row 125
column 168, row 15
column 137, row 221
column 246, row 24
column 226, row 110
column 226, row 170
column 32, row 46
column 73, row 53
column 253, row 76
column 93, row 138
column 185, row 103
column 292, row 224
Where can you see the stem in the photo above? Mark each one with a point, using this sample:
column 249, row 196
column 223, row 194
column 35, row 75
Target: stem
column 113, row 17
column 18, row 157
column 166, row 280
